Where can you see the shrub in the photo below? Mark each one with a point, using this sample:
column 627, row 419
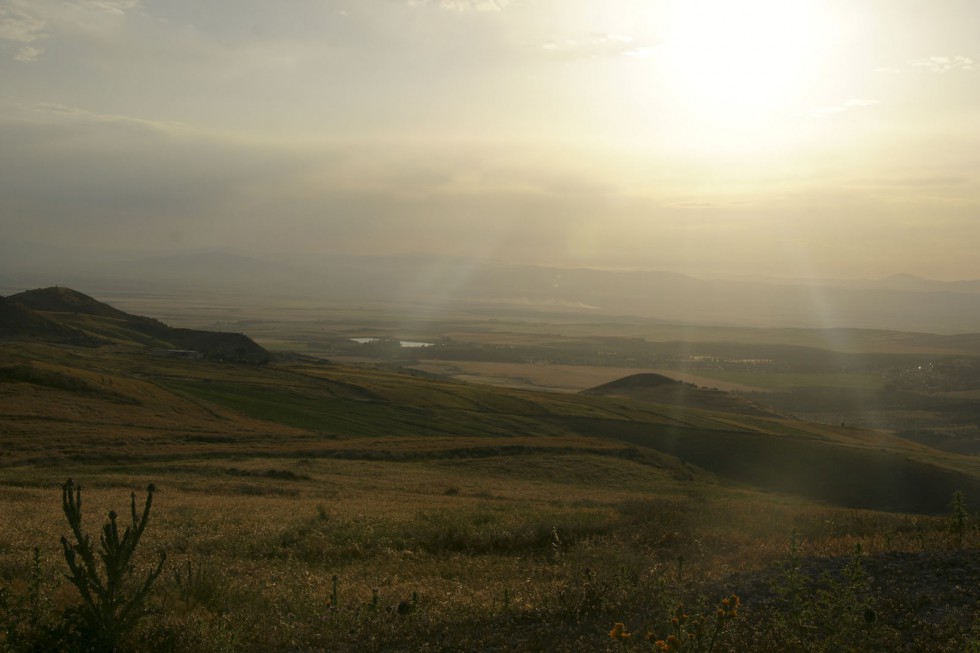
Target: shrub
column 111, row 603
column 959, row 518
column 27, row 622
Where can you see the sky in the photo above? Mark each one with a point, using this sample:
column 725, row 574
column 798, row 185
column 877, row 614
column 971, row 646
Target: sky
column 759, row 137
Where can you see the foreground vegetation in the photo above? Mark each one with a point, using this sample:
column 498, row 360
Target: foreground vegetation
column 355, row 555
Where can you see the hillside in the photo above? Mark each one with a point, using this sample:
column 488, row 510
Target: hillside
column 367, row 502
column 19, row 322
column 65, row 300
column 175, row 408
column 73, row 312
column 659, row 389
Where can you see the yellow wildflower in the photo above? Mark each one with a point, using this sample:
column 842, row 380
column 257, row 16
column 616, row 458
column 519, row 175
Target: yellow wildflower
column 618, row 632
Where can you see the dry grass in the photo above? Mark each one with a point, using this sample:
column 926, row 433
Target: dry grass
column 480, row 554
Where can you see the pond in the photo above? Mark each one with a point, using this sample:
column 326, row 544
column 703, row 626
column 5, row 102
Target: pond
column 409, row 344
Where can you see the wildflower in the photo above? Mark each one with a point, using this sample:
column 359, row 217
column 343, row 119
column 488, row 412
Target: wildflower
column 733, row 603
column 669, row 645
column 729, row 608
column 618, row 632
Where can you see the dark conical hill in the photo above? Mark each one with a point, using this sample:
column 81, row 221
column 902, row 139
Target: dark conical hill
column 643, row 381
column 660, row 389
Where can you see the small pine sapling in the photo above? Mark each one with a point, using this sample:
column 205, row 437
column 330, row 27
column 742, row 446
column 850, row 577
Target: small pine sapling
column 111, row 604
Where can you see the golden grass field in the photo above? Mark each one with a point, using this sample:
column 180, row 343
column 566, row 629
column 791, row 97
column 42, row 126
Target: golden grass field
column 540, row 553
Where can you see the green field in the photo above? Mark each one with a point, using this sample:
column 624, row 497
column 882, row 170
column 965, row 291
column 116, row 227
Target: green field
column 786, row 381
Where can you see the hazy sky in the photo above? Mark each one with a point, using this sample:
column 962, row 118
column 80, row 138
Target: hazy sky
column 834, row 138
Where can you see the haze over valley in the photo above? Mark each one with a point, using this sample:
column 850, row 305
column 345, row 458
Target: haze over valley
column 448, row 284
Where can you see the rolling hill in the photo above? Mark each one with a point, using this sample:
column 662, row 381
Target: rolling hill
column 659, row 389
column 20, row 322
column 62, row 313
column 127, row 404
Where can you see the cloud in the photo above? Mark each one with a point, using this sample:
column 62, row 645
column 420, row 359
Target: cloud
column 110, row 6
column 462, row 5
column 594, row 45
column 75, row 175
column 20, row 24
column 61, row 111
column 847, row 105
column 25, row 23
column 924, row 181
column 642, row 52
column 946, row 64
column 936, row 64
column 28, row 53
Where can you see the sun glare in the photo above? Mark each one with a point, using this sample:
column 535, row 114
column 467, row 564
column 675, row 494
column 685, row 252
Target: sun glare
column 743, row 59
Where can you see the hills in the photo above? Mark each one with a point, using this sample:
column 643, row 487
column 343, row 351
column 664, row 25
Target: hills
column 899, row 302
column 373, row 501
column 303, row 407
column 18, row 321
column 659, row 389
column 63, row 315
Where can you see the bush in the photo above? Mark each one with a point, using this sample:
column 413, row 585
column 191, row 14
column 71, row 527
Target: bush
column 111, row 602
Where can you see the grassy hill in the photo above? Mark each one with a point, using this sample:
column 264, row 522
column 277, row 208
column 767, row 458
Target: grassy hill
column 18, row 322
column 76, row 313
column 57, row 299
column 659, row 389
column 301, row 409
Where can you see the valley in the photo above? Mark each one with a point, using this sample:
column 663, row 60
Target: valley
column 525, row 482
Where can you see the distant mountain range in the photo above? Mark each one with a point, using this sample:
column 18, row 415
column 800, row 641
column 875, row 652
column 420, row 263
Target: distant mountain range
column 901, row 302
column 66, row 316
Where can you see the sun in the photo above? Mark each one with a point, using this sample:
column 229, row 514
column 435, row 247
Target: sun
column 744, row 59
